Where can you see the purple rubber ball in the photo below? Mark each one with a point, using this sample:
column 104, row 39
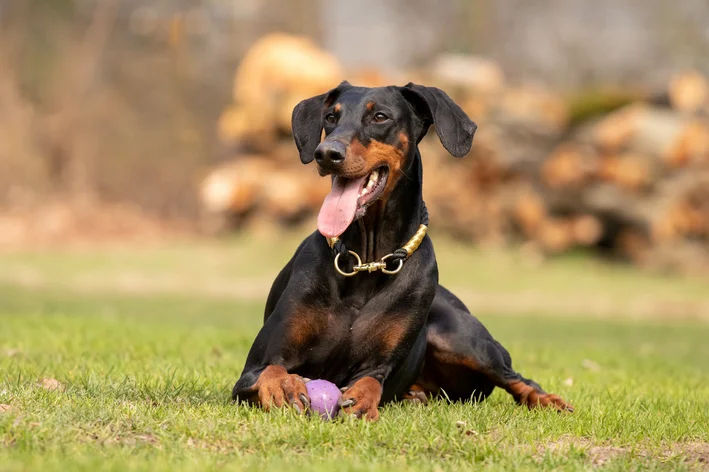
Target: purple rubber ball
column 324, row 396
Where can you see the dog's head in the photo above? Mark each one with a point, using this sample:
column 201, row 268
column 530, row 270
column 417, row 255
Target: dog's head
column 370, row 140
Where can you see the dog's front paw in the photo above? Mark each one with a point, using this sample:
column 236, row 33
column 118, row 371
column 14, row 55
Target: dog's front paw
column 276, row 388
column 362, row 399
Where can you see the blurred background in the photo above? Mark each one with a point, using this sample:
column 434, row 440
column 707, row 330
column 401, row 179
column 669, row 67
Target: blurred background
column 134, row 120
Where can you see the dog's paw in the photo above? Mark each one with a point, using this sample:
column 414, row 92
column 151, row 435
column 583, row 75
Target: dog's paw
column 534, row 397
column 277, row 388
column 416, row 394
column 546, row 400
column 362, row 399
column 550, row 400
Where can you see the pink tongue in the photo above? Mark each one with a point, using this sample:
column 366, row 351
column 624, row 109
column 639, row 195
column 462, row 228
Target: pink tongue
column 338, row 209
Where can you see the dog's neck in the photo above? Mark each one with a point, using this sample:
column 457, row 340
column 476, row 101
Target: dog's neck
column 388, row 225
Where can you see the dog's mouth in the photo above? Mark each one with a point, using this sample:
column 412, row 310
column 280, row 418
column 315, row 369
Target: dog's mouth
column 348, row 200
column 372, row 189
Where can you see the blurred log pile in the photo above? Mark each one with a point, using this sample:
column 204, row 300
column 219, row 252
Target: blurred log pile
column 625, row 173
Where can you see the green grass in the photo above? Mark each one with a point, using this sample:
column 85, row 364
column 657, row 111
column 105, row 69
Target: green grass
column 147, row 375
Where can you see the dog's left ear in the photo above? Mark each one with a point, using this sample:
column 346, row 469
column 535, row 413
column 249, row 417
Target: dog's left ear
column 434, row 106
column 306, row 122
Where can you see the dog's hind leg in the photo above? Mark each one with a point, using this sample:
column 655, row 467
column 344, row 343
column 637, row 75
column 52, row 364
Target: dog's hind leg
column 464, row 362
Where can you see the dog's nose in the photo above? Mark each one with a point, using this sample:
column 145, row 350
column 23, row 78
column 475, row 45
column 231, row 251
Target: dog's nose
column 330, row 154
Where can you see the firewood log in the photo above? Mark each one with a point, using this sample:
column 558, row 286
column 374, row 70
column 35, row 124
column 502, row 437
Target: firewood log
column 692, row 146
column 547, row 111
column 530, row 212
column 568, row 165
column 235, row 187
column 614, row 130
column 587, row 229
column 633, row 245
column 689, row 91
column 629, row 170
column 276, row 73
column 555, row 235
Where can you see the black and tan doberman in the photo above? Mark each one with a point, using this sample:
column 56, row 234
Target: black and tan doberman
column 382, row 329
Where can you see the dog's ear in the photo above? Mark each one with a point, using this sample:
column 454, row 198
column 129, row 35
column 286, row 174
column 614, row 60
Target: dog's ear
column 306, row 122
column 434, row 106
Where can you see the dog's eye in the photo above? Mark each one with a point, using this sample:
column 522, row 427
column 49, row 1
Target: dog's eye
column 380, row 117
column 330, row 118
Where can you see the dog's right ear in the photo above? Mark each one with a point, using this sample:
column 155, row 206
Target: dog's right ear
column 307, row 122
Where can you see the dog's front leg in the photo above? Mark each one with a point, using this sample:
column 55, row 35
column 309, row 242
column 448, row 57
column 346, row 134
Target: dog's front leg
column 362, row 399
column 279, row 349
column 386, row 339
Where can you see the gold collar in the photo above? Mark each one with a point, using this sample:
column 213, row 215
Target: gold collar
column 399, row 255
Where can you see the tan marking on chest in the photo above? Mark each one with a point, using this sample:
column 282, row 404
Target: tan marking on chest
column 306, row 325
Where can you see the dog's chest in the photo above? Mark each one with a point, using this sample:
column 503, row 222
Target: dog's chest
column 343, row 339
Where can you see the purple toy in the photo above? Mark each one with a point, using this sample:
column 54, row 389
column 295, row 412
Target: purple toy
column 324, row 396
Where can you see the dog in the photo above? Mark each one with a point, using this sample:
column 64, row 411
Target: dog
column 382, row 330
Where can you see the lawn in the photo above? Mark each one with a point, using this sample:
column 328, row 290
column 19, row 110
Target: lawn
column 124, row 360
